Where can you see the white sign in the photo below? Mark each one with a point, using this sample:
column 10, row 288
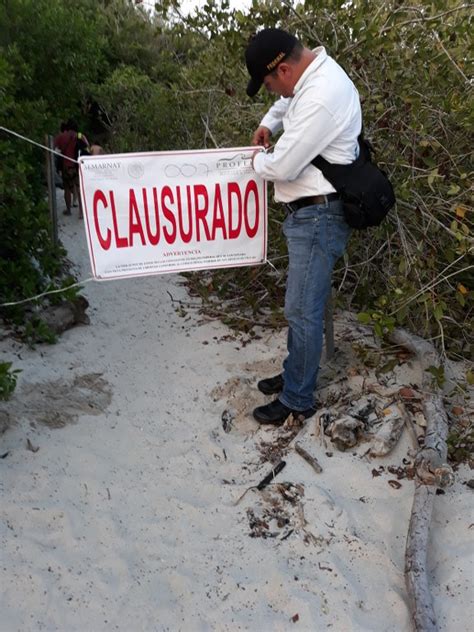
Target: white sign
column 152, row 213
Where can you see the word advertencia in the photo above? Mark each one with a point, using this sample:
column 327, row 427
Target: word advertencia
column 172, row 213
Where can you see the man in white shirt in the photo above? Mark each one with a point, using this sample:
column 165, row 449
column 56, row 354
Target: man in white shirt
column 319, row 113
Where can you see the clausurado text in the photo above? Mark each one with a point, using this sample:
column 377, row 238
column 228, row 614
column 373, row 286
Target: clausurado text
column 191, row 213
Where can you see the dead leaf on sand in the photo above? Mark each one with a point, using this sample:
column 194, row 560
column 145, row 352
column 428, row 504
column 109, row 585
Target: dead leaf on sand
column 394, row 484
column 408, row 393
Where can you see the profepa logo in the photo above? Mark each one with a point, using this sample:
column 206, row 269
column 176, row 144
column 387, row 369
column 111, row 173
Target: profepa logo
column 239, row 161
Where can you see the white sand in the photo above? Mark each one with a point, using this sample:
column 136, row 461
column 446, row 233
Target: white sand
column 124, row 517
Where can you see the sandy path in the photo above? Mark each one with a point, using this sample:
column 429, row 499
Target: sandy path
column 124, row 517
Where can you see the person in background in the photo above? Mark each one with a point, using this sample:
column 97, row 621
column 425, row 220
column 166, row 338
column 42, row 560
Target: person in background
column 96, row 150
column 320, row 114
column 58, row 160
column 71, row 143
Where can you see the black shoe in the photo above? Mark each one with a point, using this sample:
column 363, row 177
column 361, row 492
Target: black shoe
column 276, row 413
column 271, row 385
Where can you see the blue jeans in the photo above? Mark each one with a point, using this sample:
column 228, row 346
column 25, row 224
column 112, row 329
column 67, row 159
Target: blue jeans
column 316, row 236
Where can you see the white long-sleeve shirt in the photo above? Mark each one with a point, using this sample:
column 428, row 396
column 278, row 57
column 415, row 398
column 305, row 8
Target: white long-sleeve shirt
column 322, row 118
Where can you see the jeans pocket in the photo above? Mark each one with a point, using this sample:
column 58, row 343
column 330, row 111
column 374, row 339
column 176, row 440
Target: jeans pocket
column 306, row 214
column 301, row 227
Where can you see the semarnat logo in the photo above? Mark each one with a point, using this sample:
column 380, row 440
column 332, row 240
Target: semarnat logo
column 136, row 170
column 101, row 166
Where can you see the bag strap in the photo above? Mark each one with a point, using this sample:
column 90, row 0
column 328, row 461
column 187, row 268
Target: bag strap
column 364, row 156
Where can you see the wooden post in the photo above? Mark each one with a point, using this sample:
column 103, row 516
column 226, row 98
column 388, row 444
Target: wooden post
column 50, row 171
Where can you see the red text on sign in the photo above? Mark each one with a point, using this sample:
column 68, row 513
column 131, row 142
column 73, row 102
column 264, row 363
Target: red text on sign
column 186, row 214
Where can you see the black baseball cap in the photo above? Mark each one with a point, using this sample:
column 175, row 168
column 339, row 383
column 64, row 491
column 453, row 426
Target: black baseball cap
column 265, row 51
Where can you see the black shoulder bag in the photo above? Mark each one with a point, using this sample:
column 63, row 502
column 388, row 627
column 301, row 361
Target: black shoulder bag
column 366, row 191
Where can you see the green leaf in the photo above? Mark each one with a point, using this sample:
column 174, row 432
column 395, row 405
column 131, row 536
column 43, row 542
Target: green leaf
column 438, row 311
column 438, row 374
column 388, row 366
column 364, row 318
column 433, row 174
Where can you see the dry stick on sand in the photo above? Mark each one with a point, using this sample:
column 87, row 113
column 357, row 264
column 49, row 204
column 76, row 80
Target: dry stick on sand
column 265, row 481
column 308, row 458
column 431, row 471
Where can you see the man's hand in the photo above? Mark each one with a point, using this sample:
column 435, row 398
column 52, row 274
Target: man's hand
column 261, row 136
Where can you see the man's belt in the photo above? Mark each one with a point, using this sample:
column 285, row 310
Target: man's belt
column 310, row 200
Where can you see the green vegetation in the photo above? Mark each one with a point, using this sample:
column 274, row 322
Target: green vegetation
column 62, row 58
column 172, row 82
column 8, row 377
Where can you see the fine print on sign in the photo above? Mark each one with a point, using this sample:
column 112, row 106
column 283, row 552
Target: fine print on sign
column 153, row 213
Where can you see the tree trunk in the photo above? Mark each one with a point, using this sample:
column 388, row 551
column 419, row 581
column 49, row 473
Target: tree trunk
column 431, row 471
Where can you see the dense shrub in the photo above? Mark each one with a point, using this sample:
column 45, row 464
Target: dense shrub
column 410, row 65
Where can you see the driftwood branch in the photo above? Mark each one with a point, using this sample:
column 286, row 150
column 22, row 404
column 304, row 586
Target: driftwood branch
column 308, row 458
column 431, row 471
column 415, row 559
